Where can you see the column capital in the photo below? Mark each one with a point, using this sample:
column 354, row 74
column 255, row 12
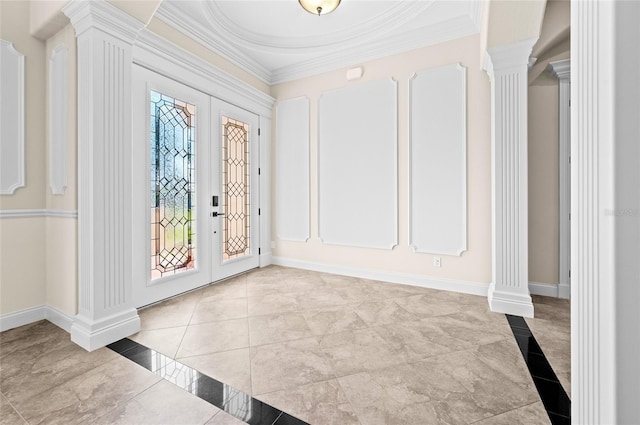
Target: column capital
column 509, row 56
column 99, row 14
column 560, row 69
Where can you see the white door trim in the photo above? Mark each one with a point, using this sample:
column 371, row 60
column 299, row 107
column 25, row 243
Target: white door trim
column 105, row 303
column 562, row 70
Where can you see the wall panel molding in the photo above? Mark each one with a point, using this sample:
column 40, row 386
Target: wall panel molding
column 357, row 165
column 438, row 161
column 12, row 124
column 58, row 120
column 292, row 169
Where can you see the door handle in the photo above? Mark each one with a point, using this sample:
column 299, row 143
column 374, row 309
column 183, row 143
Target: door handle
column 217, row 214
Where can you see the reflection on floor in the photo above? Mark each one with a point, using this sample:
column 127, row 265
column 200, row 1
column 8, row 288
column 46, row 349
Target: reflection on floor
column 327, row 349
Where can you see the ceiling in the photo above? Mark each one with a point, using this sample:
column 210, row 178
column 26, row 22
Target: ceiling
column 277, row 40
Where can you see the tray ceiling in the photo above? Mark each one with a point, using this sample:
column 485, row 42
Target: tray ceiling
column 278, row 41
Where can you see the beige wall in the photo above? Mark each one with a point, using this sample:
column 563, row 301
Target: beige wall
column 22, row 246
column 543, row 180
column 22, row 263
column 473, row 265
column 15, row 28
column 553, row 45
column 61, row 233
column 511, row 21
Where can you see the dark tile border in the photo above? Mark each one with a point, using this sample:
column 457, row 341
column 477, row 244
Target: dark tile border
column 231, row 400
column 554, row 397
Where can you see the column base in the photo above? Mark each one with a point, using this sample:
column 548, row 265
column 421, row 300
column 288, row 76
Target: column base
column 92, row 335
column 510, row 303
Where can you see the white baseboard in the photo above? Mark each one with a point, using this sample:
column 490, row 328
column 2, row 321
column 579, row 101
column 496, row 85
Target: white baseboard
column 93, row 334
column 22, row 317
column 58, row 318
column 34, row 314
column 405, row 279
column 564, row 291
column 510, row 303
column 544, row 289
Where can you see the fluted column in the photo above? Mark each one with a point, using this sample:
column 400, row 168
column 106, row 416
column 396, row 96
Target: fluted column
column 507, row 68
column 562, row 71
column 105, row 36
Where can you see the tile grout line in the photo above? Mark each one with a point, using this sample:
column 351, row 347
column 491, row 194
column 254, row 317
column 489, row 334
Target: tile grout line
column 130, row 349
column 532, row 350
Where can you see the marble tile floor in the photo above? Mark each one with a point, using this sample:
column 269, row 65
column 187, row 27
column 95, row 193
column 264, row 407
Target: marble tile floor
column 327, row 349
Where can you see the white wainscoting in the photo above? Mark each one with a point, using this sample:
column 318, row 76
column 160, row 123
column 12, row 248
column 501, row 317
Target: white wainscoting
column 292, row 169
column 438, row 160
column 58, row 120
column 12, row 119
column 357, row 165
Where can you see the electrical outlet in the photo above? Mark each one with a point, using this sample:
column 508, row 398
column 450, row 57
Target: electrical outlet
column 436, row 262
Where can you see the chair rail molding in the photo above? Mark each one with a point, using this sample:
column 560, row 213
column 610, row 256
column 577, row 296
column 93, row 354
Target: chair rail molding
column 105, row 37
column 12, row 132
column 562, row 70
column 507, row 68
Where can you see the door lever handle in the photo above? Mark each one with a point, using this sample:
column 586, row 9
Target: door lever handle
column 216, row 214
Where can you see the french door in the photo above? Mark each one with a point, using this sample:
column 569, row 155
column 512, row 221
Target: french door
column 196, row 188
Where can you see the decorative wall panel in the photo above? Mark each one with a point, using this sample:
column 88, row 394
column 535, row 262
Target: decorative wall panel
column 11, row 119
column 292, row 169
column 58, row 120
column 438, row 161
column 357, row 165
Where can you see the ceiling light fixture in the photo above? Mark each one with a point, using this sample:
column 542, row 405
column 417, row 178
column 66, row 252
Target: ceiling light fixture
column 319, row 7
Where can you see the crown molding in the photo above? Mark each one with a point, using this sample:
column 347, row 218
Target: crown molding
column 329, row 57
column 172, row 15
column 560, row 69
column 155, row 52
column 99, row 14
column 445, row 31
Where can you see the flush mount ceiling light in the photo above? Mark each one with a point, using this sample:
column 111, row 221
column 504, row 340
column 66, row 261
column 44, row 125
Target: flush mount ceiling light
column 319, row 7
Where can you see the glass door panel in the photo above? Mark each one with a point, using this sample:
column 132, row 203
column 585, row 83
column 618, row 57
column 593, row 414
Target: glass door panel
column 170, row 217
column 173, row 189
column 235, row 137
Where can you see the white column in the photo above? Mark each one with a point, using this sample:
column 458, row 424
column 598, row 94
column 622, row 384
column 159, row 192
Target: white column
column 562, row 70
column 507, row 68
column 593, row 336
column 105, row 309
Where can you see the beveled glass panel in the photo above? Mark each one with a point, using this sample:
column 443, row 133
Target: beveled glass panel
column 235, row 189
column 173, row 189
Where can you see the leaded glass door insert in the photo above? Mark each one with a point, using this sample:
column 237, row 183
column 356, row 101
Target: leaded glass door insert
column 236, row 227
column 182, row 236
column 173, row 185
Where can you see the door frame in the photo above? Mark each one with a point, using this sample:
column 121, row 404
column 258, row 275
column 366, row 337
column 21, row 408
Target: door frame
column 155, row 54
column 220, row 268
column 105, row 309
